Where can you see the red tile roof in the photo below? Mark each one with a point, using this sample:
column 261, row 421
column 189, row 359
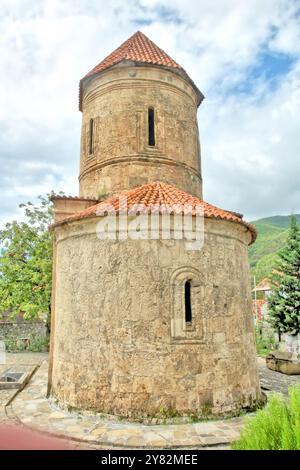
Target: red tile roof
column 138, row 48
column 160, row 198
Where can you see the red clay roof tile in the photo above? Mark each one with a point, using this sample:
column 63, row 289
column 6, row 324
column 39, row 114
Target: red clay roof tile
column 138, row 48
column 165, row 198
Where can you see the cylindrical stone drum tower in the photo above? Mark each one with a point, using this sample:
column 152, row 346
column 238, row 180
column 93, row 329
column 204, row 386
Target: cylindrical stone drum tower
column 143, row 326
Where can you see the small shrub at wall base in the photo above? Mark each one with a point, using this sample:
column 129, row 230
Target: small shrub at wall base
column 276, row 427
column 34, row 343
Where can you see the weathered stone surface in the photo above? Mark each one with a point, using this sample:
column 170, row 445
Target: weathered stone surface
column 272, row 381
column 113, row 345
column 120, row 340
column 121, row 159
column 281, row 362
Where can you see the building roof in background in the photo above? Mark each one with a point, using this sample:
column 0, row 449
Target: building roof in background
column 263, row 285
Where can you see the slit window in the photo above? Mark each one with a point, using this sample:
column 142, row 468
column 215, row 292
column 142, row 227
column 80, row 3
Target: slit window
column 151, row 130
column 91, row 137
column 187, row 302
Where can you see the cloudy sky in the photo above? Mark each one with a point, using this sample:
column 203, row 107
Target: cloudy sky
column 243, row 55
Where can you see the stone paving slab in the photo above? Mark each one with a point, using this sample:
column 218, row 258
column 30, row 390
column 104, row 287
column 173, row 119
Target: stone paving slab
column 25, row 360
column 31, row 408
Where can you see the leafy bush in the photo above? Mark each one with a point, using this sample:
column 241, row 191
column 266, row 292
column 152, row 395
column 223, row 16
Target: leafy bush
column 277, row 427
column 13, row 344
column 38, row 343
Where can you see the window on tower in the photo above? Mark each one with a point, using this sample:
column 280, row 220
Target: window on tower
column 187, row 301
column 151, row 128
column 91, row 137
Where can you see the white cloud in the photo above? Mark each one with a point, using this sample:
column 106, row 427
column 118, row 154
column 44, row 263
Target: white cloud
column 250, row 144
column 251, row 151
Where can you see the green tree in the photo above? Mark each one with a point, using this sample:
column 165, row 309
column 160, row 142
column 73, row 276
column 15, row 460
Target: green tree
column 284, row 303
column 26, row 261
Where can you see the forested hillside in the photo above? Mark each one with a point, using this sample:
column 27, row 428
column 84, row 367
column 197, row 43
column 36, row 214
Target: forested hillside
column 272, row 233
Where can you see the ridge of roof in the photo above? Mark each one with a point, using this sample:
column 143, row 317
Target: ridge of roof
column 55, row 197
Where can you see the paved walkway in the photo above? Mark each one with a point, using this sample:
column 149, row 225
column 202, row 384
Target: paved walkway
column 32, row 409
column 28, row 360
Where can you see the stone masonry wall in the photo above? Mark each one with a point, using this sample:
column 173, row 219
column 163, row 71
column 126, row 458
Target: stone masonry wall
column 22, row 329
column 118, row 102
column 121, row 344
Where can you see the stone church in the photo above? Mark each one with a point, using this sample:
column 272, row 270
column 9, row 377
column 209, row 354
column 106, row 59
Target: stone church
column 144, row 326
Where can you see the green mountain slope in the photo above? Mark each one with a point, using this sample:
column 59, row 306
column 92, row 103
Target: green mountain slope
column 272, row 233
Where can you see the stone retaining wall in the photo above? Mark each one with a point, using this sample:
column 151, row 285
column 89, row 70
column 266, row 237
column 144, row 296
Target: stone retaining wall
column 22, row 330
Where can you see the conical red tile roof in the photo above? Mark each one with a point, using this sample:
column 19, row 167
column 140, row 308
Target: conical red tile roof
column 157, row 197
column 138, row 48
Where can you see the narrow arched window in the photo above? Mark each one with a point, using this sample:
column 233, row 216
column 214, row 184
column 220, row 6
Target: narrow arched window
column 187, row 302
column 151, row 127
column 91, row 136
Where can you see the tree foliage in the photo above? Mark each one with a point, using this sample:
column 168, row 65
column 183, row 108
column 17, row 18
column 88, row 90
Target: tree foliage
column 284, row 303
column 26, row 261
